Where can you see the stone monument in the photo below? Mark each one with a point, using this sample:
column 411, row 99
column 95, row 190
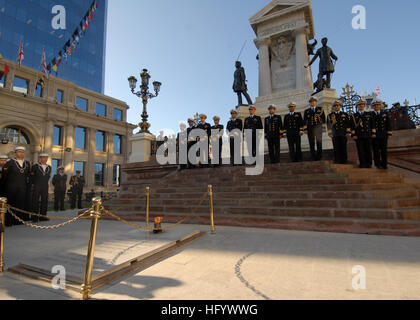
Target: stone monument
column 284, row 29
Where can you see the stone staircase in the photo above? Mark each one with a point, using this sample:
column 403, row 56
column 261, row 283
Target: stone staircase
column 311, row 196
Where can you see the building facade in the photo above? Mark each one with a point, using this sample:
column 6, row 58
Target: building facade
column 50, row 24
column 80, row 129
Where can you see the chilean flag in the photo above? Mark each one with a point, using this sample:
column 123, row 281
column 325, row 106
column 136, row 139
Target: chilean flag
column 20, row 56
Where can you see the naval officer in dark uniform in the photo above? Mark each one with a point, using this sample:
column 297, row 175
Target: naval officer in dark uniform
column 77, row 183
column 40, row 179
column 339, row 129
column 383, row 126
column 16, row 183
column 293, row 130
column 273, row 131
column 190, row 144
column 236, row 125
column 217, row 140
column 180, row 144
column 60, row 188
column 3, row 161
column 254, row 123
column 363, row 130
column 205, row 154
column 314, row 125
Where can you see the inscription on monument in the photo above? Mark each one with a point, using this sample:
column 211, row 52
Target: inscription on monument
column 288, row 26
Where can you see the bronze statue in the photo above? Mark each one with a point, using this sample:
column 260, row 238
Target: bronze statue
column 239, row 84
column 326, row 65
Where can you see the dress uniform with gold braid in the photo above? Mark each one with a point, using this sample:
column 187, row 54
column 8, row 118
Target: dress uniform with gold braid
column 2, row 190
column 363, row 127
column 17, row 186
column 77, row 183
column 339, row 127
column 273, row 130
column 180, row 145
column 60, row 187
column 293, row 128
column 383, row 126
column 190, row 144
column 40, row 179
column 253, row 123
column 218, row 139
column 206, row 127
column 314, row 120
column 234, row 124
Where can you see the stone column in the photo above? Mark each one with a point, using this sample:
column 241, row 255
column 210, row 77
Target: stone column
column 109, row 163
column 32, row 86
column 90, row 165
column 36, row 151
column 265, row 87
column 8, row 82
column 125, row 146
column 303, row 75
column 48, row 137
column 69, row 144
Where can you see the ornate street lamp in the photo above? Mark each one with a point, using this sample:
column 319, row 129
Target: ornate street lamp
column 145, row 95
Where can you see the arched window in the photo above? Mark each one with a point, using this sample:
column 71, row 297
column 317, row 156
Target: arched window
column 14, row 135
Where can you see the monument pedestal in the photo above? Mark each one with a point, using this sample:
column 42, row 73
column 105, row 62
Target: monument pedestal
column 141, row 146
column 283, row 30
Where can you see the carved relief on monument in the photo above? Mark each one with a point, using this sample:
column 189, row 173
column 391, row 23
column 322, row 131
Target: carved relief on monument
column 283, row 63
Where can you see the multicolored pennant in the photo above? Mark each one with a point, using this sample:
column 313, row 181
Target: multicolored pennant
column 44, row 63
column 70, row 47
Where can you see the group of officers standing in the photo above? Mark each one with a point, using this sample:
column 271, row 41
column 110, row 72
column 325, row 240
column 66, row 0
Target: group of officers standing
column 26, row 187
column 370, row 131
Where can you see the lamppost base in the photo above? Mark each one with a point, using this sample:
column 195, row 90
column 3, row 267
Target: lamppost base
column 141, row 147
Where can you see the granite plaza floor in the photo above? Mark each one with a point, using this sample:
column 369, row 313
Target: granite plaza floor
column 236, row 263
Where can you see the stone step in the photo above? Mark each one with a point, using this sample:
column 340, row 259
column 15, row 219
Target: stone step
column 133, row 192
column 339, row 225
column 269, row 177
column 371, row 194
column 313, row 196
column 281, row 203
column 325, row 179
column 357, row 213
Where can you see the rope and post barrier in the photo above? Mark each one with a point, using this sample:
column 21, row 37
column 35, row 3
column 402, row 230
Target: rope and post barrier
column 3, row 203
column 210, row 192
column 147, row 207
column 95, row 215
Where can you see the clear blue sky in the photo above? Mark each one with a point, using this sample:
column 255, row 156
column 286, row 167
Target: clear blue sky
column 191, row 46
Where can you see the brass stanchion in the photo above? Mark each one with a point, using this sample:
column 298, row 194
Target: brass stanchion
column 147, row 207
column 87, row 285
column 213, row 229
column 3, row 202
